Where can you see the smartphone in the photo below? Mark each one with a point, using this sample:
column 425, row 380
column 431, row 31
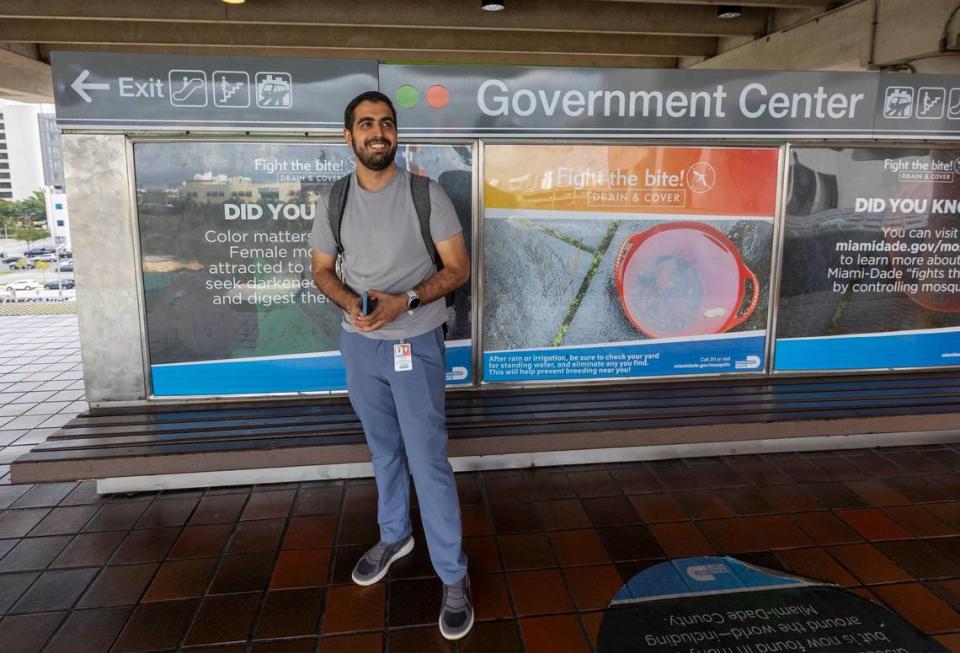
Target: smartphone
column 367, row 304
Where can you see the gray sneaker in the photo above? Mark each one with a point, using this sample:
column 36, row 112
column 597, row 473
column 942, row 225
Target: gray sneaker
column 456, row 615
column 376, row 562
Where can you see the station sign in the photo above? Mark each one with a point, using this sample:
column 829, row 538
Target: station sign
column 97, row 90
column 627, row 103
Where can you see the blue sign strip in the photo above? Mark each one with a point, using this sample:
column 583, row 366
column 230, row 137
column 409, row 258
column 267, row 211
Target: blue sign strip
column 881, row 351
column 651, row 358
column 263, row 375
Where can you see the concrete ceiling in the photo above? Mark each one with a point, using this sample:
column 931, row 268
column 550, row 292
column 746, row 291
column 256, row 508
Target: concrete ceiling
column 614, row 33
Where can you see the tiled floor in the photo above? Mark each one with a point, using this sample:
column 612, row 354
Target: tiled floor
column 266, row 569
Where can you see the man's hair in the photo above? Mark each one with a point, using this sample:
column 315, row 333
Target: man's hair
column 367, row 96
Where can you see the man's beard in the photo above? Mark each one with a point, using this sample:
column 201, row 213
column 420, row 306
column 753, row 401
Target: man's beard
column 375, row 160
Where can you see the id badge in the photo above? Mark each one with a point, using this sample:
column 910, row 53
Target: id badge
column 402, row 357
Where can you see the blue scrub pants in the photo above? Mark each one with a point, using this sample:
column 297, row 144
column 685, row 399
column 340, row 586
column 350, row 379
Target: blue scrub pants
column 404, row 419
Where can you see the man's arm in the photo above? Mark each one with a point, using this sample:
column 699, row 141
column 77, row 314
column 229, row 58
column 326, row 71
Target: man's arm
column 325, row 276
column 455, row 272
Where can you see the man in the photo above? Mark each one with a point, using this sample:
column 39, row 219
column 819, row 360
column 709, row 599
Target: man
column 394, row 356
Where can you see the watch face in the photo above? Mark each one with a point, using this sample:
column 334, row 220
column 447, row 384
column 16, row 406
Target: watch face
column 414, row 302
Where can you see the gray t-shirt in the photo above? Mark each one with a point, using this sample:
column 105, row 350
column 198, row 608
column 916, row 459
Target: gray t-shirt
column 384, row 250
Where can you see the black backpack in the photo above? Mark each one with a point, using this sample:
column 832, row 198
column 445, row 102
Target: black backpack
column 419, row 189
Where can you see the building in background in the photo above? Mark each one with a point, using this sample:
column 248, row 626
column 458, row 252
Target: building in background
column 21, row 156
column 51, row 150
column 58, row 220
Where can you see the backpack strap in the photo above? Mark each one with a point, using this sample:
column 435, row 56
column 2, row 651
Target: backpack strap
column 335, row 207
column 420, row 190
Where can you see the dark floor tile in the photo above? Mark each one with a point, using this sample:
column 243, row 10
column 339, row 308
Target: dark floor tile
column 636, row 478
column 62, row 521
column 826, row 528
column 526, row 551
column 27, row 633
column 414, row 602
column 248, row 572
column 912, row 461
column 745, row 501
column 948, row 590
column 493, row 637
column 417, row 640
column 475, row 520
column 200, row 541
column 515, row 517
column 593, row 587
column 917, row 559
column 506, row 486
column 155, row 626
column 777, row 531
column 872, row 464
column 657, row 507
column 948, row 513
column 6, row 545
column 867, row 563
column 764, row 559
column 629, row 543
column 12, row 587
column 554, row 633
column 578, row 547
column 482, row 554
column 89, row 631
column 352, row 608
column 594, row 483
column 539, row 592
column 116, row 586
column 948, row 547
column 360, row 496
column 17, row 523
column 610, row 511
column 469, row 488
column 117, row 516
column 44, row 495
column 345, row 557
column 268, row 505
column 833, row 496
column 550, row 484
column 291, row 613
column 757, row 471
column 730, row 536
column 917, row 489
column 218, row 509
column 491, row 596
column 34, row 553
column 680, row 539
column 919, row 521
column 180, row 579
column 224, row 619
column 83, row 494
column 318, row 500
column 919, row 606
column 873, row 524
column 10, row 493
column 89, row 549
column 877, row 493
column 788, row 498
column 145, row 546
column 817, row 564
column 310, row 532
column 414, row 565
column 359, row 528
column 305, row 568
column 257, row 536
column 703, row 505
column 836, row 468
column 949, row 483
column 563, row 513
column 796, row 467
column 363, row 643
column 303, row 645
column 167, row 512
column 54, row 590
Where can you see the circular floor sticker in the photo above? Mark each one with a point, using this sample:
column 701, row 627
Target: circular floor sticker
column 723, row 605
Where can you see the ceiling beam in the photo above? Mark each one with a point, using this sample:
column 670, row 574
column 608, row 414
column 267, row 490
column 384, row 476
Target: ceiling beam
column 387, row 42
column 780, row 4
column 555, row 15
column 24, row 79
column 491, row 58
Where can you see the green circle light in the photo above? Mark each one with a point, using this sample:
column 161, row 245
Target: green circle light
column 407, row 96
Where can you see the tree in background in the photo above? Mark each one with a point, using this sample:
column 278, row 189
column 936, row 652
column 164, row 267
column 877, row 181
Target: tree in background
column 30, row 212
column 28, row 234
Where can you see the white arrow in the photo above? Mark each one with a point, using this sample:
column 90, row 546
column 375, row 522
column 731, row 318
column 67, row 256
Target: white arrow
column 81, row 88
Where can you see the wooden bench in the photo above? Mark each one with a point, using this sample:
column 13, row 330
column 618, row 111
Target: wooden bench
column 186, row 438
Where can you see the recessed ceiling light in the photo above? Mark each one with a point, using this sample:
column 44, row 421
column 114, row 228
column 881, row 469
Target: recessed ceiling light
column 492, row 5
column 234, row 2
column 729, row 11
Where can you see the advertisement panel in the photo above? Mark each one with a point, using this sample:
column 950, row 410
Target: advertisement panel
column 617, row 262
column 231, row 306
column 871, row 260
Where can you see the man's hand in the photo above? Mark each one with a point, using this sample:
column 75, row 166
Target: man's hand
column 387, row 309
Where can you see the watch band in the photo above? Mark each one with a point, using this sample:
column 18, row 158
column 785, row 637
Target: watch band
column 413, row 301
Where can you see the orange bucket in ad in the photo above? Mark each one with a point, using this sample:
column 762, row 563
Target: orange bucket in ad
column 683, row 279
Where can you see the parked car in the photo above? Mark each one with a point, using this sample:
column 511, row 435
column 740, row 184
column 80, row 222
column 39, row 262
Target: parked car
column 11, row 259
column 65, row 253
column 22, row 264
column 66, row 266
column 65, row 284
column 22, row 285
column 39, row 251
column 46, row 258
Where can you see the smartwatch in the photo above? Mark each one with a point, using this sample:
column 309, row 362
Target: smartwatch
column 412, row 300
